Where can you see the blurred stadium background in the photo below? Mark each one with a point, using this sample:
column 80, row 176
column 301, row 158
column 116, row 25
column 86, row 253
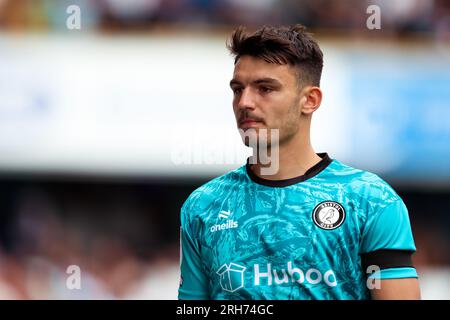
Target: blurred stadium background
column 104, row 131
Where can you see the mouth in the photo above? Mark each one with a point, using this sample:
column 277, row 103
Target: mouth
column 249, row 123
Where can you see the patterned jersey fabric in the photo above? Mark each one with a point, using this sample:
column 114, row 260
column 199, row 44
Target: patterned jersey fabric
column 309, row 237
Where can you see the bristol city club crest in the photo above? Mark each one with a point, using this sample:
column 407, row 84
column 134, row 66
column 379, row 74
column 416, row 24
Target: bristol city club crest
column 328, row 215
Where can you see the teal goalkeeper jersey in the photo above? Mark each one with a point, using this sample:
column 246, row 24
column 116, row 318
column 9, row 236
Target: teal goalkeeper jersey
column 316, row 236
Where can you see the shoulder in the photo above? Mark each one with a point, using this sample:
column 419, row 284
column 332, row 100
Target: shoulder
column 362, row 183
column 214, row 190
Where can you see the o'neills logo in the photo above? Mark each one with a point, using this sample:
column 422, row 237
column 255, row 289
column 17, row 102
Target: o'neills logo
column 230, row 224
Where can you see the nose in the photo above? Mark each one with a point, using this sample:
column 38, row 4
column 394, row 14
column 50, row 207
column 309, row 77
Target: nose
column 246, row 100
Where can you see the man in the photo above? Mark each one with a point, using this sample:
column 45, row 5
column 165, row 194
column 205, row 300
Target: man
column 312, row 229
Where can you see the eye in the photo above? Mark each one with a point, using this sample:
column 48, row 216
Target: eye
column 265, row 89
column 237, row 90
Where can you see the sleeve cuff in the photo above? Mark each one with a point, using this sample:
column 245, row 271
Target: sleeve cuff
column 395, row 273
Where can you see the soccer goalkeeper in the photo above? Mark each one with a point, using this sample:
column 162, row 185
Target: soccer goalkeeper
column 314, row 228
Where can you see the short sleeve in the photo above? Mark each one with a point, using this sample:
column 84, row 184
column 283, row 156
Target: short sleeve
column 193, row 282
column 387, row 242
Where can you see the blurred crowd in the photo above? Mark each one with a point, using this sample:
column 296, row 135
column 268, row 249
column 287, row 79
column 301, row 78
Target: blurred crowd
column 124, row 239
column 117, row 245
column 431, row 16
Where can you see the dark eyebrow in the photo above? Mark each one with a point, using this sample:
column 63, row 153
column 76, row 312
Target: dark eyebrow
column 268, row 80
column 234, row 82
column 257, row 81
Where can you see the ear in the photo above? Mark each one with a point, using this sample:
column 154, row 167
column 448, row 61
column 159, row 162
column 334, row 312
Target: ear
column 310, row 100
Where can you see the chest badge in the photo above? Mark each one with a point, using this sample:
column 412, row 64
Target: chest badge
column 328, row 215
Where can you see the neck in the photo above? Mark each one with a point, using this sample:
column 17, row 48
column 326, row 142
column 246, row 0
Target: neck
column 296, row 156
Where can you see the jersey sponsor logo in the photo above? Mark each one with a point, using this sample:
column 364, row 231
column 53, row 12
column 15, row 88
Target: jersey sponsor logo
column 292, row 274
column 328, row 215
column 231, row 276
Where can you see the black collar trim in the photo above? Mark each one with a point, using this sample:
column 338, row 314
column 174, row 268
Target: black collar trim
column 311, row 172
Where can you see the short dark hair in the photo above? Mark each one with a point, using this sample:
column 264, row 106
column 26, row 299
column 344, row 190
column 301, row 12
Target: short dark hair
column 282, row 45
